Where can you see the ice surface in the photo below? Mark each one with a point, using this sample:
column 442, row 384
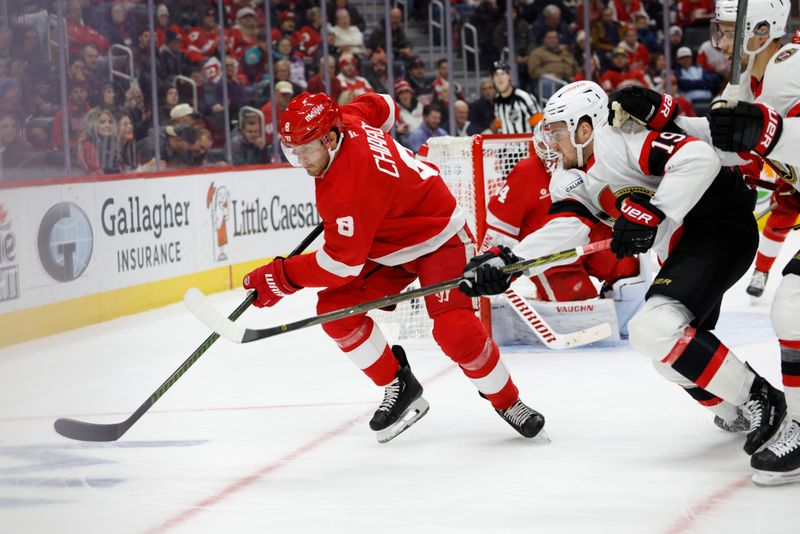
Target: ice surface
column 272, row 437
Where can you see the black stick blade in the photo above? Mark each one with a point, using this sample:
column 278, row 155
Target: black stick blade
column 82, row 431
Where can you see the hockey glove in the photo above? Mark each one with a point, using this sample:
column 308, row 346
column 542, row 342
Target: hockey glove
column 649, row 107
column 746, row 127
column 483, row 276
column 635, row 229
column 270, row 282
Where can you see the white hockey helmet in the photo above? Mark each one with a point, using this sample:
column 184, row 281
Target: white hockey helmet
column 772, row 13
column 572, row 103
column 550, row 157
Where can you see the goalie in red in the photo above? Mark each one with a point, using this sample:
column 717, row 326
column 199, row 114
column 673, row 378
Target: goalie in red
column 387, row 219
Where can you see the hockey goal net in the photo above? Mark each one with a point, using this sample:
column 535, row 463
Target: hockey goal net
column 474, row 168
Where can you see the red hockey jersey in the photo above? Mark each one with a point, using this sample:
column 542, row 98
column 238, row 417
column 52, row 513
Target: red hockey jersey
column 520, row 207
column 375, row 200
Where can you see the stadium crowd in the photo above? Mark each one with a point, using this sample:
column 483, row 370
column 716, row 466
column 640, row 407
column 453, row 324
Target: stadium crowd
column 110, row 119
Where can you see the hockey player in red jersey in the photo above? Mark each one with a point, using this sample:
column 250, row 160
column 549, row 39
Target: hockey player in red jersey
column 521, row 207
column 787, row 209
column 766, row 123
column 388, row 219
column 665, row 191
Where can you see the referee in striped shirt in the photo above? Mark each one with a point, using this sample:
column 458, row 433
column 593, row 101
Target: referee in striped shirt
column 515, row 111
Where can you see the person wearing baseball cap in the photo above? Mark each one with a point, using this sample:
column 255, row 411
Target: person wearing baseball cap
column 695, row 83
column 421, row 84
column 283, row 95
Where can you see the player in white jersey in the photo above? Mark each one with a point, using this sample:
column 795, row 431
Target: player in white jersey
column 766, row 123
column 666, row 191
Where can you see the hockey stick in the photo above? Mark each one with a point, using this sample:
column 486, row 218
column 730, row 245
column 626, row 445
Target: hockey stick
column 547, row 335
column 82, row 431
column 199, row 305
column 766, row 211
column 738, row 47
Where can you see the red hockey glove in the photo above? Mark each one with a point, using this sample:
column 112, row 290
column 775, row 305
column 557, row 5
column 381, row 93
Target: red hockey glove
column 482, row 275
column 635, row 229
column 270, row 282
column 746, row 127
column 655, row 110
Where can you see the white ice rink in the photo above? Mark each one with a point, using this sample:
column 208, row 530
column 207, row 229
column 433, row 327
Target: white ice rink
column 272, row 437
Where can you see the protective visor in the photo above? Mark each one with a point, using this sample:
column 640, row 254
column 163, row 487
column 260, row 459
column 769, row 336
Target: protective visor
column 302, row 155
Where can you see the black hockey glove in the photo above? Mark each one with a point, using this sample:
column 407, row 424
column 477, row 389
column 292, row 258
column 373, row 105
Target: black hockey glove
column 746, row 127
column 635, row 229
column 655, row 110
column 483, row 276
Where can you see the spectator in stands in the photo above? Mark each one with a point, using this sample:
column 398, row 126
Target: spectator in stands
column 185, row 114
column 14, row 150
column 485, row 18
column 440, row 82
column 283, row 73
column 255, row 61
column 481, row 111
column 249, row 143
column 287, row 24
column 199, row 153
column 6, row 38
column 420, row 84
column 378, row 76
column 110, row 97
column 523, row 43
column 77, row 110
column 214, row 96
column 118, row 27
column 201, row 42
column 355, row 17
column 551, row 20
column 551, row 58
column 97, row 146
column 349, row 78
column 654, row 75
column 401, row 46
column 461, row 118
column 431, row 119
column 139, row 111
column 626, row 10
column 695, row 12
column 34, row 55
column 171, row 61
column 308, row 38
column 596, row 8
column 619, row 71
column 283, row 95
column 410, row 111
column 175, row 148
column 78, row 33
column 695, row 83
column 245, row 33
column 94, row 79
column 171, row 99
column 646, row 36
column 165, row 23
column 285, row 51
column 638, row 55
column 346, row 37
column 128, row 155
column 675, row 41
column 606, row 32
column 317, row 82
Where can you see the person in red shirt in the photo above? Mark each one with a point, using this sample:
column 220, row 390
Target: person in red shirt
column 388, row 220
column 348, row 76
column 619, row 71
column 638, row 55
column 521, row 207
column 201, row 43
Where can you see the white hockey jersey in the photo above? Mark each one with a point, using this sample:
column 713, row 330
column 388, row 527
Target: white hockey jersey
column 674, row 169
column 780, row 89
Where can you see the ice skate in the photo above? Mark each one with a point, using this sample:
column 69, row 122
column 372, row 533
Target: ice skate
column 523, row 419
column 779, row 463
column 757, row 284
column 402, row 404
column 738, row 424
column 765, row 409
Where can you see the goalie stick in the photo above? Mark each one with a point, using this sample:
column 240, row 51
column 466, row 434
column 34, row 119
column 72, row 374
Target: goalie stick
column 200, row 306
column 83, row 431
column 547, row 335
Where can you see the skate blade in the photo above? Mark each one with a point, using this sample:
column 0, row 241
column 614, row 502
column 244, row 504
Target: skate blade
column 767, row 479
column 414, row 413
column 541, row 437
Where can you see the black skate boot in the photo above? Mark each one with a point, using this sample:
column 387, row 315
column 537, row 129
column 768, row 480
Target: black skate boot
column 402, row 404
column 780, row 462
column 524, row 420
column 739, row 424
column 766, row 409
column 757, row 284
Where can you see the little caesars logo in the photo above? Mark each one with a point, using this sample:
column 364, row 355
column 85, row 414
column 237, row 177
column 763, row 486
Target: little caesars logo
column 9, row 270
column 218, row 201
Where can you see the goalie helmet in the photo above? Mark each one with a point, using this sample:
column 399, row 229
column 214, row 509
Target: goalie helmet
column 773, row 13
column 572, row 103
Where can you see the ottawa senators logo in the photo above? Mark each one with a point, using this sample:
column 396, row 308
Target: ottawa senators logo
column 785, row 172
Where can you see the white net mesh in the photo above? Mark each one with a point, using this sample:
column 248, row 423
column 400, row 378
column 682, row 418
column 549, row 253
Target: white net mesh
column 454, row 156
